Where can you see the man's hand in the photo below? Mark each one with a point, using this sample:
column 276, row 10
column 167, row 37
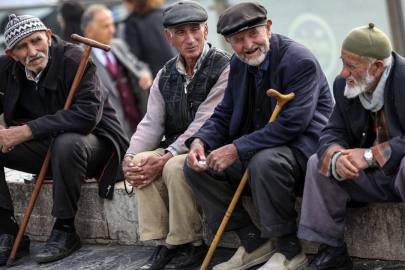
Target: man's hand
column 13, row 136
column 147, row 170
column 145, row 81
column 223, row 157
column 196, row 155
column 351, row 162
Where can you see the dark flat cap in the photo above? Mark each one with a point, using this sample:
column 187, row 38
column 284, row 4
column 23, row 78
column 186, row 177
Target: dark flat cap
column 183, row 12
column 241, row 17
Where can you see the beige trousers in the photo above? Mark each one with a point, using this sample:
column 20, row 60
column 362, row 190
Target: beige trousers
column 167, row 207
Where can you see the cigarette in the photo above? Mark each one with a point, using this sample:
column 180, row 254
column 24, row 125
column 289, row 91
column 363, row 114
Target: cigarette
column 202, row 162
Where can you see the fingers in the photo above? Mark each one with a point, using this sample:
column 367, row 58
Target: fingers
column 346, row 169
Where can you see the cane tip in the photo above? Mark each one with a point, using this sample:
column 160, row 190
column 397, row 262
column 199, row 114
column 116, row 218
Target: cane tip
column 10, row 262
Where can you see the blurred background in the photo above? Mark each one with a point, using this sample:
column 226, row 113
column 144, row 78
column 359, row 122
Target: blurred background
column 320, row 25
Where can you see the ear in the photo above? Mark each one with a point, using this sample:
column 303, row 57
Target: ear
column 48, row 34
column 226, row 39
column 377, row 68
column 10, row 52
column 205, row 31
column 268, row 28
column 169, row 37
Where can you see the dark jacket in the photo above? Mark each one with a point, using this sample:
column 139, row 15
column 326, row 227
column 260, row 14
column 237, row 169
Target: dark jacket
column 351, row 125
column 91, row 111
column 293, row 68
column 146, row 39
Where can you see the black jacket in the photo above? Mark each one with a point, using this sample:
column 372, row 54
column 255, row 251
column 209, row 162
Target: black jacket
column 91, row 111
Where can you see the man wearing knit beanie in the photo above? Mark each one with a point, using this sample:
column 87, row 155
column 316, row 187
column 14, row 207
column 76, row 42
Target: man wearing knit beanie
column 361, row 149
column 36, row 74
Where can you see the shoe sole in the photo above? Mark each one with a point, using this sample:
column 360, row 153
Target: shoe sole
column 45, row 260
column 260, row 260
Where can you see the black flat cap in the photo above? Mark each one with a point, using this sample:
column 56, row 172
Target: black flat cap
column 241, row 17
column 183, row 12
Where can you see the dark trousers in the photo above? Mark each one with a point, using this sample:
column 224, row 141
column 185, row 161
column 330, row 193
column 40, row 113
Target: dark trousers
column 274, row 174
column 324, row 202
column 73, row 157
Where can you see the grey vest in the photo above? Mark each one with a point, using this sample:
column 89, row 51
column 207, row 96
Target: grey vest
column 181, row 107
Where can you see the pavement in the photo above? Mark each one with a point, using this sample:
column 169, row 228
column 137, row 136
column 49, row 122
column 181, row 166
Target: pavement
column 131, row 257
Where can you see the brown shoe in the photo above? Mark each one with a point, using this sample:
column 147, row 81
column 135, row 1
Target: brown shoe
column 242, row 260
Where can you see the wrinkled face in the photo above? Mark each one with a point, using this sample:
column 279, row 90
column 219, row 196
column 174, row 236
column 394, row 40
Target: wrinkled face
column 33, row 50
column 102, row 29
column 188, row 39
column 252, row 45
column 356, row 72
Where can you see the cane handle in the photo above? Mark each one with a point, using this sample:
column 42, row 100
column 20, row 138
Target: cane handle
column 90, row 42
column 281, row 99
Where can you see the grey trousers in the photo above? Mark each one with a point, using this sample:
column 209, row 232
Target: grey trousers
column 73, row 157
column 324, row 201
column 274, row 174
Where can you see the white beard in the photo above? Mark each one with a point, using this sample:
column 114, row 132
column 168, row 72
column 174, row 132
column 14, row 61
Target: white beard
column 264, row 49
column 361, row 86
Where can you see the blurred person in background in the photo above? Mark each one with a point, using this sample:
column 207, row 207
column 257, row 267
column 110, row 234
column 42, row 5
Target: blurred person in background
column 121, row 72
column 143, row 31
column 69, row 17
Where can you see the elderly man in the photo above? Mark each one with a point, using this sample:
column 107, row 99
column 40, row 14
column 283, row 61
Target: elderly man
column 238, row 136
column 362, row 148
column 35, row 79
column 119, row 70
column 183, row 95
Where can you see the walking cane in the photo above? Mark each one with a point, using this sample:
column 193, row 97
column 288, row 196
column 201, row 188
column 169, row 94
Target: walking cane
column 78, row 77
column 281, row 100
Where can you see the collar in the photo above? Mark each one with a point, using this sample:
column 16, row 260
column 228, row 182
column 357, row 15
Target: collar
column 102, row 57
column 180, row 64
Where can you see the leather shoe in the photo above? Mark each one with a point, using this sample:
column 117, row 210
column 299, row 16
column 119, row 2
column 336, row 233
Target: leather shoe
column 59, row 245
column 328, row 259
column 188, row 257
column 279, row 262
column 160, row 258
column 6, row 246
column 242, row 260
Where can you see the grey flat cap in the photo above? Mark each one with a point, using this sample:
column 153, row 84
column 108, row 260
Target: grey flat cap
column 241, row 17
column 183, row 12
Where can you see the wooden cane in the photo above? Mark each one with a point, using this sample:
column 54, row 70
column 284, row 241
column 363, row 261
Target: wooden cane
column 281, row 100
column 78, row 77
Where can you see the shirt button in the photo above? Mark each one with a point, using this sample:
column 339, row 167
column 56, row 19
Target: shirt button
column 364, row 134
column 257, row 126
column 379, row 127
column 257, row 110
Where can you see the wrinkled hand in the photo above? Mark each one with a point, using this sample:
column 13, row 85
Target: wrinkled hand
column 13, row 136
column 223, row 157
column 128, row 167
column 196, row 154
column 351, row 162
column 147, row 170
column 145, row 81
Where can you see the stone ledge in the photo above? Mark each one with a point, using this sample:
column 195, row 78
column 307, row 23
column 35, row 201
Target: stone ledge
column 373, row 232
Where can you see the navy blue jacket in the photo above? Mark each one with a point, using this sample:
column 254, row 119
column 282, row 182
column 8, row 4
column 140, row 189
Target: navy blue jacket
column 351, row 126
column 293, row 68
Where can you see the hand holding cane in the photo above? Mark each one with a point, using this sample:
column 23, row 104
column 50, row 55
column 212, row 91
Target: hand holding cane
column 78, row 77
column 281, row 100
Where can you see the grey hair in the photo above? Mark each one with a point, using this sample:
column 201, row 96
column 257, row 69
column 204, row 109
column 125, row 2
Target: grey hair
column 171, row 34
column 88, row 15
column 386, row 61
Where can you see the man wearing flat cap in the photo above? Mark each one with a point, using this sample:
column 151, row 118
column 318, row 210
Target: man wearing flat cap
column 183, row 96
column 238, row 136
column 36, row 75
column 362, row 148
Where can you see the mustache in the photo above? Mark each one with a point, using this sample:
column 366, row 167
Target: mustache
column 254, row 47
column 30, row 58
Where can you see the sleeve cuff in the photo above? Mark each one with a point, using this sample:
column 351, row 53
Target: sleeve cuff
column 334, row 173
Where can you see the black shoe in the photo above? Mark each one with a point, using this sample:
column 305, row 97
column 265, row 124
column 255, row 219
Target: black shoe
column 6, row 246
column 160, row 258
column 59, row 245
column 188, row 257
column 328, row 259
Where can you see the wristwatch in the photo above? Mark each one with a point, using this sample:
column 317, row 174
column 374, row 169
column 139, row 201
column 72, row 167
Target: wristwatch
column 368, row 156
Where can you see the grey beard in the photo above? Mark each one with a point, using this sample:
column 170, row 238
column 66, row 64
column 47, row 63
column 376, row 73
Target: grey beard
column 256, row 61
column 361, row 86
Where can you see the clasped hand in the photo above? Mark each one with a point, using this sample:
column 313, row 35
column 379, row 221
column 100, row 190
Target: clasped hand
column 350, row 163
column 13, row 136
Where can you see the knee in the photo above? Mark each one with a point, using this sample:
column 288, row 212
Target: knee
column 270, row 159
column 173, row 169
column 68, row 144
